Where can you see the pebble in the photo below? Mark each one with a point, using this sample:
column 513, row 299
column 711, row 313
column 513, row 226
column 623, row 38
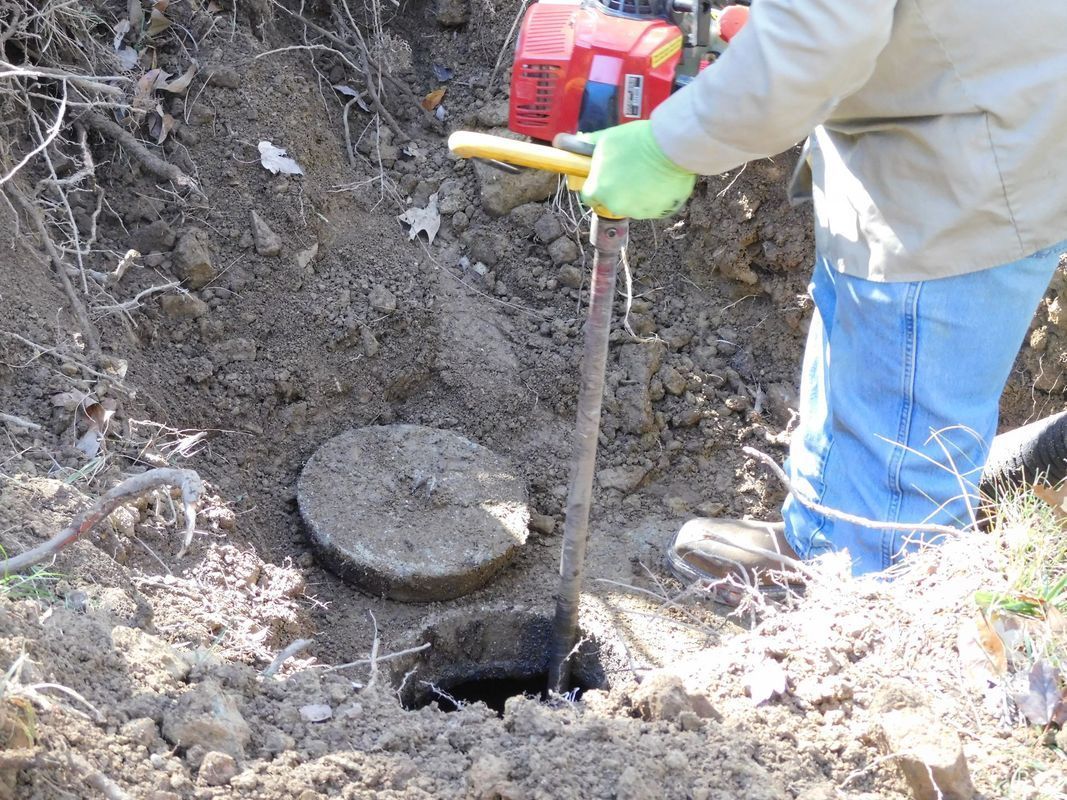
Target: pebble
column 268, row 243
column 563, row 251
column 929, row 753
column 381, row 299
column 217, row 768
column 183, row 306
column 548, row 228
column 571, row 277
column 192, row 259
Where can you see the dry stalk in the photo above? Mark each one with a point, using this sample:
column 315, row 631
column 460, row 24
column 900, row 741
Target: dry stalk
column 297, row 646
column 36, row 217
column 833, row 513
column 191, row 487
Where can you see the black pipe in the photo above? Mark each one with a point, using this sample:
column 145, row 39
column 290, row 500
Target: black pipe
column 1024, row 454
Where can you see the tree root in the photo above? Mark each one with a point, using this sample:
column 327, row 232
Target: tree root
column 192, row 488
column 153, row 163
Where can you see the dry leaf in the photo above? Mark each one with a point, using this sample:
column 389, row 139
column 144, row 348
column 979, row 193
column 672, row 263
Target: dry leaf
column 162, row 125
column 213, row 7
column 426, row 220
column 277, row 160
column 1043, row 695
column 127, row 57
column 766, row 681
column 120, row 33
column 144, row 93
column 982, row 653
column 157, row 23
column 89, row 442
column 348, row 91
column 135, row 14
column 180, row 85
column 1055, row 497
column 433, row 99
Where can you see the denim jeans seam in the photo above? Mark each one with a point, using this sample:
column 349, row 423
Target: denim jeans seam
column 823, row 519
column 896, row 462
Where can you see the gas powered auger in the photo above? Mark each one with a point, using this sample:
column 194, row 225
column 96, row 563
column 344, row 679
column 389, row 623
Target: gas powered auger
column 588, row 65
column 585, row 65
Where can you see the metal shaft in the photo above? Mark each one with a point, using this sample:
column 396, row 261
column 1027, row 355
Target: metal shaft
column 609, row 237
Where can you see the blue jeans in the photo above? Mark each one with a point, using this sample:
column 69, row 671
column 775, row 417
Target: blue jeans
column 898, row 402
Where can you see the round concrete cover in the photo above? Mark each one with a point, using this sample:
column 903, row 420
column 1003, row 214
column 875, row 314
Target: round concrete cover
column 412, row 513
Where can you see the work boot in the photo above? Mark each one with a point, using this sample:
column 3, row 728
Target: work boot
column 700, row 553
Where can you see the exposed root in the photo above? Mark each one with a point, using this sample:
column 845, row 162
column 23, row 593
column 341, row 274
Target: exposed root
column 153, row 163
column 192, row 489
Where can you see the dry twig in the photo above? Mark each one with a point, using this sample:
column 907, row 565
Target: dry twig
column 191, row 486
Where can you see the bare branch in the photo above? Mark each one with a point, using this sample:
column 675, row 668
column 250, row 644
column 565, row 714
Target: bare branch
column 189, row 481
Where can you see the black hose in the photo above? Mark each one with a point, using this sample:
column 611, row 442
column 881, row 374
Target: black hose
column 1023, row 454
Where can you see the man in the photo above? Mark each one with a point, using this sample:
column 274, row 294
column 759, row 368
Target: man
column 938, row 160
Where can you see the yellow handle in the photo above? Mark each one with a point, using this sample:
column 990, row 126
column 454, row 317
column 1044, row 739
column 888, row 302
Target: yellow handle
column 468, row 144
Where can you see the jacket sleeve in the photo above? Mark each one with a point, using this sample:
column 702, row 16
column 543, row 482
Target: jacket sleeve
column 780, row 77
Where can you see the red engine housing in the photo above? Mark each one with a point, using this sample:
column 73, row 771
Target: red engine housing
column 579, row 66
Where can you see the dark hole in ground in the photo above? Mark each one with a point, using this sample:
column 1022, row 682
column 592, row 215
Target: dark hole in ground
column 494, row 692
column 487, row 654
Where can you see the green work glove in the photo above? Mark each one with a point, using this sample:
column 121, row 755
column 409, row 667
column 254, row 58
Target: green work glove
column 632, row 177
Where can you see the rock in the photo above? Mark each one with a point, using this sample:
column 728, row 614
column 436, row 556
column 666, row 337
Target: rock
column 268, row 243
column 548, row 228
column 452, row 13
column 571, row 277
column 451, row 197
column 632, row 785
column 217, row 768
column 142, row 731
column 207, row 717
column 226, row 77
column 236, row 349
column 160, row 794
column 526, row 215
column 183, row 306
column 151, row 660
column 563, row 251
column 493, row 114
column 156, row 237
column 501, row 191
column 315, row 712
column 635, row 408
column 381, row 299
column 542, row 523
column 641, row 361
column 929, row 753
column 781, row 398
column 486, row 248
column 672, row 380
column 625, row 479
column 663, row 696
column 192, row 259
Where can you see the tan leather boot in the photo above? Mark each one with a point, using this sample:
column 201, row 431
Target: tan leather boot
column 714, row 550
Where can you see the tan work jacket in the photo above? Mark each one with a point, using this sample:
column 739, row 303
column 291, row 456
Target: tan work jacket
column 938, row 128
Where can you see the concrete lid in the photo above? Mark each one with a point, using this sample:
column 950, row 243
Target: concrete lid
column 412, row 513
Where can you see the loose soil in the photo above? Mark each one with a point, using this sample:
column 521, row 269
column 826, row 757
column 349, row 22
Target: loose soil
column 272, row 350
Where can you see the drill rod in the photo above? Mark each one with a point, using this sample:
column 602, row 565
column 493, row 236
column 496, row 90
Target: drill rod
column 609, row 237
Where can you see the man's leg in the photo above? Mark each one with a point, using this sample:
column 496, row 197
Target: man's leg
column 899, row 397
